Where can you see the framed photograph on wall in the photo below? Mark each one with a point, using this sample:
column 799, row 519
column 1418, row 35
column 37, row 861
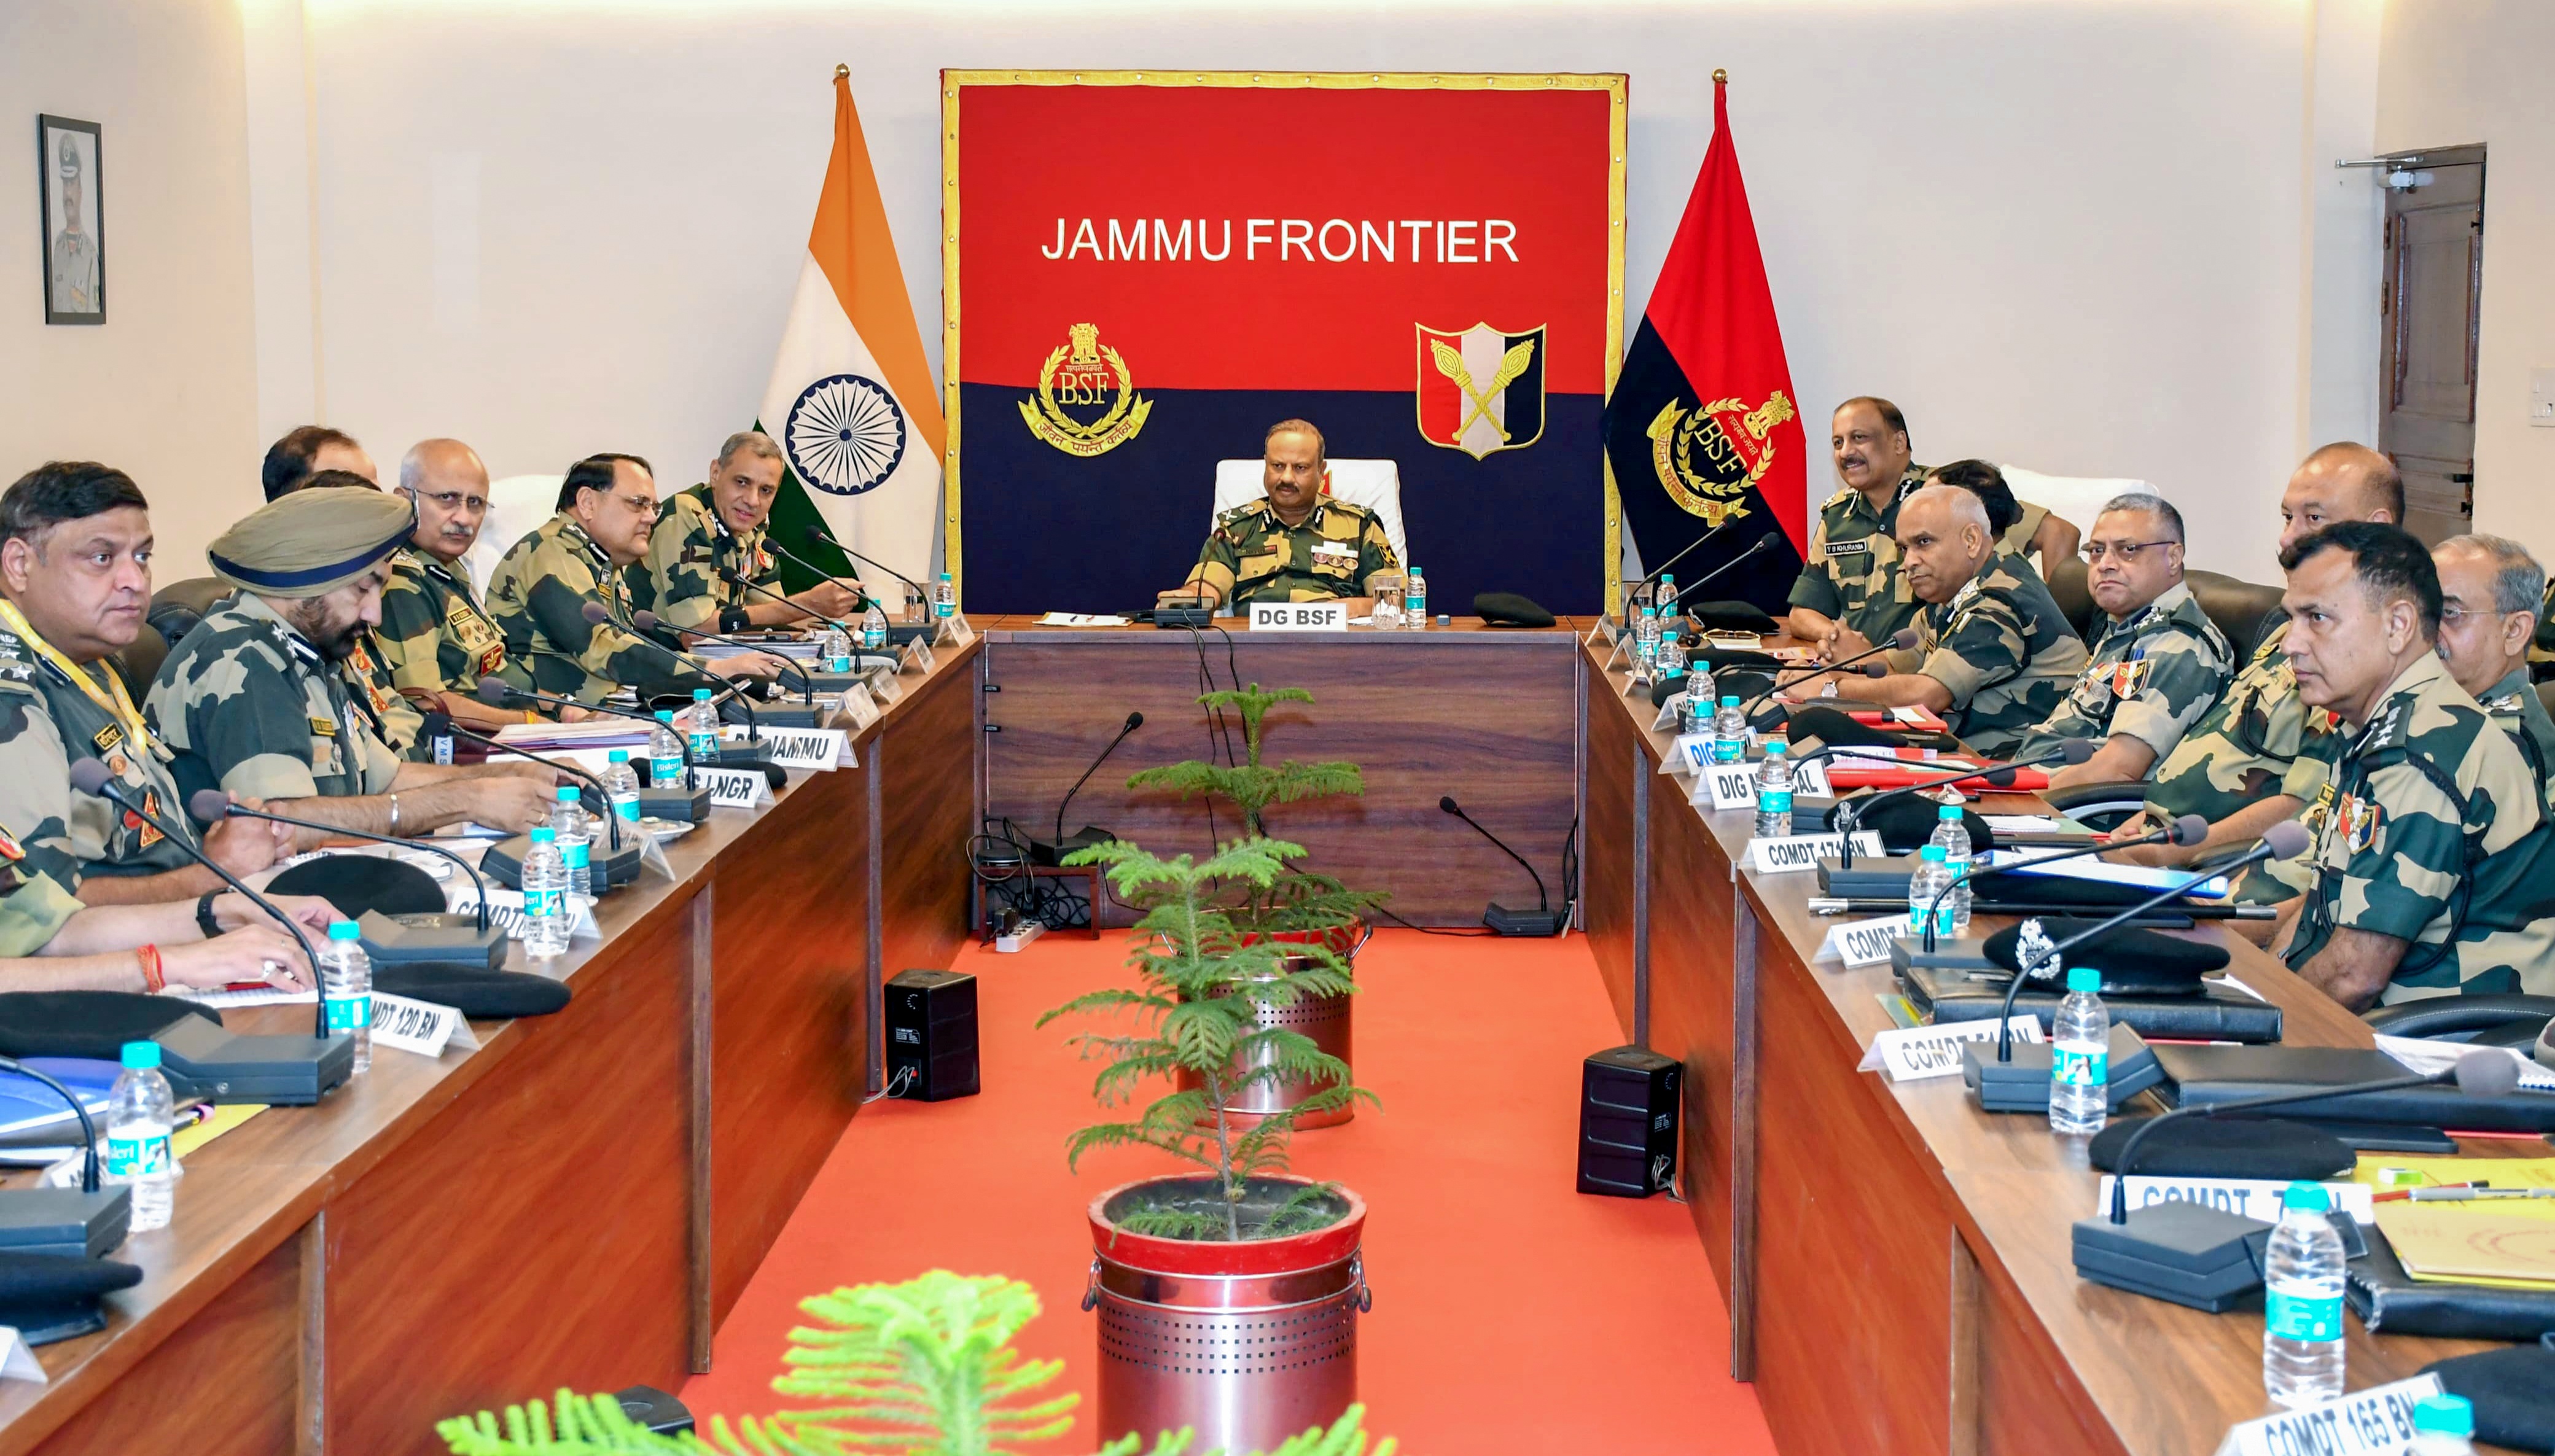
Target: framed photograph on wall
column 70, row 188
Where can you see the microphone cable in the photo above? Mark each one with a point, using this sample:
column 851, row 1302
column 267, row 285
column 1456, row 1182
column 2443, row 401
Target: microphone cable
column 998, row 856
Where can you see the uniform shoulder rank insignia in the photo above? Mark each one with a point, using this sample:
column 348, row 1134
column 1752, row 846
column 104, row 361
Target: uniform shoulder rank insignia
column 1968, row 594
column 2504, row 707
column 2387, row 728
column 1839, row 499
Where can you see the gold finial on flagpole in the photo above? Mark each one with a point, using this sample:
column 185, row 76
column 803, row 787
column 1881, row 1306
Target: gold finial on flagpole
column 1720, row 77
column 841, row 70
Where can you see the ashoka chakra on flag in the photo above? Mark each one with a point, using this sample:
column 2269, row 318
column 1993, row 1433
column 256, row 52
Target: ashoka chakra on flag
column 845, row 434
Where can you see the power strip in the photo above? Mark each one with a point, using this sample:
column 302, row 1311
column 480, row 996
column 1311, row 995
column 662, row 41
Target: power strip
column 1020, row 936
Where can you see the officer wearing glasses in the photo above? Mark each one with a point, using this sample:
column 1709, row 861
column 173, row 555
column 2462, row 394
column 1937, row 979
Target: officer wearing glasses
column 437, row 637
column 2159, row 663
column 607, row 506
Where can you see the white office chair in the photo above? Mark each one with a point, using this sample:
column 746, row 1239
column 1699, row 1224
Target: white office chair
column 1374, row 484
column 2075, row 498
column 517, row 507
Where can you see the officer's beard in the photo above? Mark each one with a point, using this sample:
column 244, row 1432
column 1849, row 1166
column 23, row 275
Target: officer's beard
column 335, row 640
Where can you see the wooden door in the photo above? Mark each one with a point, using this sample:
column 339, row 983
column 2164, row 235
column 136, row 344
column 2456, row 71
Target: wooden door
column 2431, row 305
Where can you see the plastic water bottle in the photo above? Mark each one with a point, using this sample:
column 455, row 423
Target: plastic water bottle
column 1953, row 834
column 2443, row 1425
column 139, row 1114
column 1645, row 640
column 1665, row 598
column 1729, row 732
column 944, row 598
column 1702, row 697
column 346, row 989
column 1930, row 877
column 547, row 913
column 701, row 727
column 874, row 628
column 575, row 841
column 2302, row 1353
column 1671, row 664
column 621, row 786
column 834, row 645
column 2080, row 1062
column 1774, row 793
column 666, row 753
column 1415, row 600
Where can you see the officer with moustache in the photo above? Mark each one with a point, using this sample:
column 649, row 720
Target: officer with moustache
column 437, row 637
column 716, row 528
column 1851, row 580
column 2490, row 590
column 1294, row 544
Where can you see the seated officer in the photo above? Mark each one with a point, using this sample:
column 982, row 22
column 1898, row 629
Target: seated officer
column 437, row 637
column 1295, row 543
column 2490, row 590
column 2433, row 863
column 252, row 702
column 49, row 941
column 1993, row 654
column 715, row 528
column 1851, row 578
column 538, row 597
column 315, row 455
column 308, row 449
column 2159, row 662
column 2022, row 528
column 75, row 575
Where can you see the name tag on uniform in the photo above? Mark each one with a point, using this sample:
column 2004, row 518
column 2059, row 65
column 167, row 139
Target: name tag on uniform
column 1299, row 616
column 1859, row 547
column 322, row 727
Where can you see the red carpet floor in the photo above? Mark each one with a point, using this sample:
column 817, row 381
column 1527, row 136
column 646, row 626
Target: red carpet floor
column 1512, row 1314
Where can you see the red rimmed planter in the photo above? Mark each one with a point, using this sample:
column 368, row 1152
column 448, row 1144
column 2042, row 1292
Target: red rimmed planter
column 1248, row 1343
column 1323, row 1020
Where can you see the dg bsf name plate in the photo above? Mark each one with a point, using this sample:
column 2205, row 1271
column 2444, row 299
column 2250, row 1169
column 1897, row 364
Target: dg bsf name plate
column 1299, row 616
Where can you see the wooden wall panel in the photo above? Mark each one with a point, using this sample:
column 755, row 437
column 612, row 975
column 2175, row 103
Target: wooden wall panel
column 226, row 1381
column 1692, row 1005
column 926, row 757
column 1608, row 878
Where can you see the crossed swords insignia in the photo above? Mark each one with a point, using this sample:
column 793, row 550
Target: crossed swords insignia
column 1450, row 363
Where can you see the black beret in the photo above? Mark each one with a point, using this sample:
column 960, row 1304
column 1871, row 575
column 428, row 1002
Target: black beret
column 1839, row 729
column 1730, row 617
column 2276, row 1149
column 356, row 882
column 1906, row 822
column 1508, row 609
column 2133, row 960
column 2514, row 1392
column 89, row 1024
column 1720, row 658
column 54, row 1296
column 475, row 991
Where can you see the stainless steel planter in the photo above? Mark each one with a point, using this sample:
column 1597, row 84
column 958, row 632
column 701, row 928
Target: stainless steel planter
column 1326, row 1021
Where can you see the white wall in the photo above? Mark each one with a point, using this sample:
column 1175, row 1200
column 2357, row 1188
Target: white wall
column 2069, row 233
column 2477, row 70
column 166, row 386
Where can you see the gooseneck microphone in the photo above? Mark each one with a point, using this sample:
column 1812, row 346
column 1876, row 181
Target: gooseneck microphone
column 2478, row 1074
column 742, row 582
column 1662, row 568
column 1055, row 851
column 801, row 562
column 1544, row 921
column 601, row 616
column 89, row 776
column 602, row 794
column 817, row 535
column 88, row 1128
column 646, row 621
column 2184, row 832
column 211, row 804
column 2285, row 840
column 1850, row 812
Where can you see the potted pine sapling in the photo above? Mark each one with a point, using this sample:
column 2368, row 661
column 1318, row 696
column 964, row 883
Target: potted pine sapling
column 1300, row 907
column 1228, row 1297
column 925, row 1367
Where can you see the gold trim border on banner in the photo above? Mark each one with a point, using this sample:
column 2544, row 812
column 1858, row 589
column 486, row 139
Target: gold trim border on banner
column 1617, row 84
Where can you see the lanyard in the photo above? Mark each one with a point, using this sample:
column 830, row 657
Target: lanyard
column 119, row 707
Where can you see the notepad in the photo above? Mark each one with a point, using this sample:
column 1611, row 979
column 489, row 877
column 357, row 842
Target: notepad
column 2507, row 1244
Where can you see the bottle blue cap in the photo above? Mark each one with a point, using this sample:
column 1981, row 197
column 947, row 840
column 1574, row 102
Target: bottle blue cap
column 2310, row 1198
column 665, row 716
column 544, row 835
column 1948, row 813
column 1776, row 748
column 345, row 930
column 1731, row 702
column 1932, row 853
column 567, row 793
column 1649, row 611
column 2450, row 1415
column 2085, row 979
column 617, row 756
column 140, row 1054
column 700, row 694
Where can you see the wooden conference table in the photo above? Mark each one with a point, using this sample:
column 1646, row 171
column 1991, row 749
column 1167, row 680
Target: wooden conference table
column 1895, row 1262
column 580, row 1200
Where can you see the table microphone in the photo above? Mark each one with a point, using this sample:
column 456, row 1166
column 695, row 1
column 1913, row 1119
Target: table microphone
column 818, row 534
column 1850, row 812
column 40, row 1213
column 646, row 621
column 602, row 795
column 2478, row 1074
column 1545, row 920
column 2284, row 840
column 2182, row 833
column 211, row 804
column 1663, row 566
column 742, row 582
column 601, row 616
column 1054, row 853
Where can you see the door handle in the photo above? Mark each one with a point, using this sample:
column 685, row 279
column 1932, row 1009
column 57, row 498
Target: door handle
column 2465, row 479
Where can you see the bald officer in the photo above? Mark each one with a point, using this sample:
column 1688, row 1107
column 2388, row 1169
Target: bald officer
column 1294, row 544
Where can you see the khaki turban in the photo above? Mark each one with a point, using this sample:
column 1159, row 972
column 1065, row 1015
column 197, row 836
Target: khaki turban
column 312, row 542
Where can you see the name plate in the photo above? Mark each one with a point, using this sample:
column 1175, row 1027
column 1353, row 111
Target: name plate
column 1794, row 853
column 17, row 1362
column 734, row 789
column 1914, row 1053
column 1734, row 786
column 884, row 687
column 917, row 656
column 2377, row 1422
column 860, row 707
column 952, row 631
column 1299, row 616
column 506, row 911
column 1862, row 942
column 421, row 1027
column 816, row 749
column 2247, row 1198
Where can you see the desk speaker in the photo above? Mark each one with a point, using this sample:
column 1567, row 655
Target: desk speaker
column 932, row 1035
column 1627, row 1122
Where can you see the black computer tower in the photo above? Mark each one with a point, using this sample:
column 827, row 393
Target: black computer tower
column 1627, row 1122
column 932, row 1035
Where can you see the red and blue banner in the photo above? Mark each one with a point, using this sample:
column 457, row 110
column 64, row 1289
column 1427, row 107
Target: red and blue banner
column 1143, row 272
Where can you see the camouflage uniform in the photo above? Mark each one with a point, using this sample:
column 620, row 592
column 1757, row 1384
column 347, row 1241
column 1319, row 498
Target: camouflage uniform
column 435, row 636
column 2433, row 832
column 537, row 600
column 2153, row 678
column 2004, row 649
column 679, row 579
column 1252, row 555
column 251, row 708
column 2513, row 703
column 368, row 676
column 32, row 904
column 2016, row 542
column 1852, row 571
column 68, row 835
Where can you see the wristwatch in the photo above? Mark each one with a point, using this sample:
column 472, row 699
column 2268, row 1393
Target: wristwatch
column 204, row 915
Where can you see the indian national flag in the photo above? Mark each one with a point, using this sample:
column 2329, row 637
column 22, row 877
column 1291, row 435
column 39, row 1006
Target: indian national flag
column 851, row 399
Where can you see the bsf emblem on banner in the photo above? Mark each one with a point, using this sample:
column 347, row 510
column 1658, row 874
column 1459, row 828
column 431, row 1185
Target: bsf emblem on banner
column 1085, row 372
column 1481, row 390
column 1708, row 458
